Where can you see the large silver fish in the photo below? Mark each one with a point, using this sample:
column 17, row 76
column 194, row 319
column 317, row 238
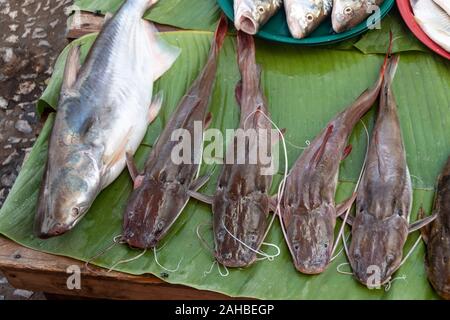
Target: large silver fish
column 348, row 13
column 433, row 20
column 304, row 16
column 103, row 112
column 251, row 15
column 161, row 191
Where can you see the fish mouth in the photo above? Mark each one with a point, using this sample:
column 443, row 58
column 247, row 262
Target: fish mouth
column 235, row 262
column 247, row 24
column 55, row 230
column 142, row 242
column 311, row 269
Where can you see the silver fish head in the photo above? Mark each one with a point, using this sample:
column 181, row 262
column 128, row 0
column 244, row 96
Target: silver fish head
column 303, row 16
column 376, row 249
column 70, row 185
column 250, row 15
column 310, row 239
column 348, row 13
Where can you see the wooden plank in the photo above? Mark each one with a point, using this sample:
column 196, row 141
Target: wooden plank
column 83, row 23
column 36, row 271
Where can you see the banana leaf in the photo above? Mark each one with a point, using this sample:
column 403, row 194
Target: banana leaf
column 305, row 87
column 192, row 14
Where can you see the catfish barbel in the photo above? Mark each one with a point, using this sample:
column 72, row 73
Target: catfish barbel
column 384, row 197
column 308, row 210
column 104, row 110
column 241, row 203
column 161, row 191
column 437, row 238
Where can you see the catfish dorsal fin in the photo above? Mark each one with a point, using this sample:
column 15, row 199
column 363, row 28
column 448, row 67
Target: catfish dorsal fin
column 72, row 68
column 319, row 153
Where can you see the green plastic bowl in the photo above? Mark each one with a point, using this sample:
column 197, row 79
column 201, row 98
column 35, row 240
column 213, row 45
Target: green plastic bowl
column 277, row 29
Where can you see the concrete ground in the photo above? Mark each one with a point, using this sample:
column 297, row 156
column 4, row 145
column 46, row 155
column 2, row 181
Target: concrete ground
column 33, row 34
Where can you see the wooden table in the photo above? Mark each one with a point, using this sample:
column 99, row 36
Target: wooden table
column 36, row 271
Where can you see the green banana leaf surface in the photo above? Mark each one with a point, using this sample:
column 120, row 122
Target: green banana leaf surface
column 184, row 14
column 305, row 88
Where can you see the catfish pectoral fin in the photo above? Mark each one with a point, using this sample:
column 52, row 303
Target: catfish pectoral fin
column 208, row 120
column 425, row 230
column 200, row 182
column 201, row 197
column 349, row 220
column 421, row 223
column 348, row 149
column 344, row 206
column 134, row 172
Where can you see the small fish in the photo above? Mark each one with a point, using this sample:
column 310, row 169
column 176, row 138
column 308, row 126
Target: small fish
column 444, row 4
column 437, row 238
column 384, row 197
column 161, row 191
column 104, row 110
column 347, row 14
column 304, row 16
column 308, row 210
column 251, row 15
column 433, row 20
column 241, row 202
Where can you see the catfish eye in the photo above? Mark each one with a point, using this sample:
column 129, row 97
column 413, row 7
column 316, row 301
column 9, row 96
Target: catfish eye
column 160, row 225
column 309, row 17
column 348, row 10
column 75, row 211
column 390, row 258
column 296, row 247
column 261, row 9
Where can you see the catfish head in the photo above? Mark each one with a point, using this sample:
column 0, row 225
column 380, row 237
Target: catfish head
column 438, row 264
column 71, row 183
column 376, row 249
column 151, row 210
column 310, row 237
column 239, row 233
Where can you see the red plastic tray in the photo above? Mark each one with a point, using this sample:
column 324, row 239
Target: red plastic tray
column 405, row 9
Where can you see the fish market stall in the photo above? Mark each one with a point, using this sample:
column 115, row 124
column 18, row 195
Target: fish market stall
column 101, row 192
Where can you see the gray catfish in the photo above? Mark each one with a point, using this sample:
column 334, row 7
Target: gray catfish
column 161, row 191
column 308, row 209
column 241, row 203
column 347, row 14
column 251, row 15
column 384, row 197
column 437, row 238
column 103, row 112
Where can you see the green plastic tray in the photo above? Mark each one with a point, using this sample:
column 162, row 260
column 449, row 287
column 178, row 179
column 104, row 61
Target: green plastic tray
column 277, row 29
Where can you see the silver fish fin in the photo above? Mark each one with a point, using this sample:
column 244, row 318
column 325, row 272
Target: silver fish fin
column 131, row 165
column 72, row 68
column 421, row 223
column 200, row 197
column 108, row 17
column 155, row 106
column 161, row 52
column 345, row 205
column 114, row 158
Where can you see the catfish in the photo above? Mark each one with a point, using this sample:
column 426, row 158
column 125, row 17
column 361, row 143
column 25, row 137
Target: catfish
column 161, row 191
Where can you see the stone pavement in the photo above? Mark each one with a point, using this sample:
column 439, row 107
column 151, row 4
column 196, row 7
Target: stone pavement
column 33, row 34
